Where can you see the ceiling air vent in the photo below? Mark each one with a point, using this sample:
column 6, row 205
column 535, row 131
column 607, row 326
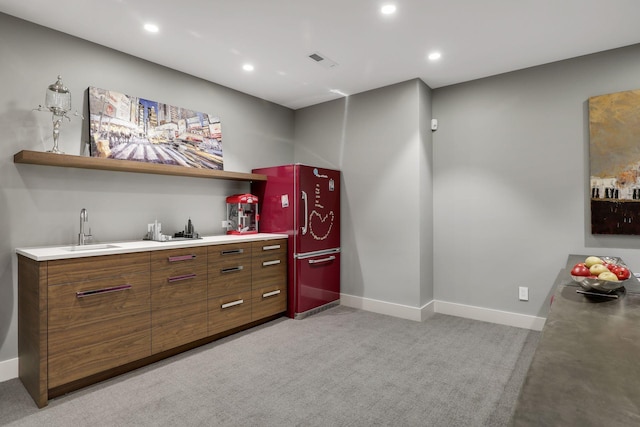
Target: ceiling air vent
column 323, row 60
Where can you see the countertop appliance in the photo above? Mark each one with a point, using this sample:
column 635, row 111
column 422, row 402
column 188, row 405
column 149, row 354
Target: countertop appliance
column 242, row 214
column 304, row 203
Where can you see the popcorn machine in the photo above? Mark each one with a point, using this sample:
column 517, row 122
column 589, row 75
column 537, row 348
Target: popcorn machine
column 242, row 214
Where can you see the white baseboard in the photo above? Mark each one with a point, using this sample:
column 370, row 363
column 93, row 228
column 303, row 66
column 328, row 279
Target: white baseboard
column 391, row 309
column 8, row 369
column 422, row 313
column 489, row 315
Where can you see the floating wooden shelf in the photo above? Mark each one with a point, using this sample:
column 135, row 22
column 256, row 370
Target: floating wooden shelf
column 83, row 162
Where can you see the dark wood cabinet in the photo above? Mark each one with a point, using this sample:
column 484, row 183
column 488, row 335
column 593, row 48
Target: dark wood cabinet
column 80, row 320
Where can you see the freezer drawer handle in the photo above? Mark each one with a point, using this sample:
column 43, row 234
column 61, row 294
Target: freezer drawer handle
column 270, row 294
column 231, row 269
column 181, row 258
column 270, row 247
column 232, row 251
column 317, row 261
column 232, row 303
column 183, row 277
column 83, row 294
column 268, row 263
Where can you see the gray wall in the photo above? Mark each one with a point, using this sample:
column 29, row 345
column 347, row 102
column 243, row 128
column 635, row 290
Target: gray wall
column 381, row 145
column 511, row 180
column 40, row 205
column 494, row 199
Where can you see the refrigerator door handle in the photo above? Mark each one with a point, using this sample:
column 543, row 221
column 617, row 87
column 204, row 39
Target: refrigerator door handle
column 316, row 253
column 306, row 213
column 318, row 261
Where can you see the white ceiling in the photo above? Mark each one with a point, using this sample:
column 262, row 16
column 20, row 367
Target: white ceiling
column 212, row 39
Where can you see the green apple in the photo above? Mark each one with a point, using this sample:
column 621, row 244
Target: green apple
column 592, row 260
column 597, row 269
column 608, row 276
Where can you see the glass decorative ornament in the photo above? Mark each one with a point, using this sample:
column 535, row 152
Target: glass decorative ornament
column 58, row 102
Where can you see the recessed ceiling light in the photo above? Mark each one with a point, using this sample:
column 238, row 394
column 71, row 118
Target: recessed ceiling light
column 434, row 56
column 388, row 9
column 247, row 67
column 152, row 28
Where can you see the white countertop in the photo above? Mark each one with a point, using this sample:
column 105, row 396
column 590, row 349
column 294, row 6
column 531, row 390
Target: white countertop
column 46, row 253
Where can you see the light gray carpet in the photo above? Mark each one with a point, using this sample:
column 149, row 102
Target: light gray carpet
column 340, row 367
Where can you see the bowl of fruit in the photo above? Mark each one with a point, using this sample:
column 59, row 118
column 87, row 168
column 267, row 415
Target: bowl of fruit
column 602, row 274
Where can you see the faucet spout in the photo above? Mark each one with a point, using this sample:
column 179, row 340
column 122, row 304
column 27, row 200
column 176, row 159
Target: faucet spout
column 82, row 236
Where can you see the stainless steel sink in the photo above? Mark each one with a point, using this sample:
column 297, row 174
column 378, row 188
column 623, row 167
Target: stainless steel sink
column 79, row 248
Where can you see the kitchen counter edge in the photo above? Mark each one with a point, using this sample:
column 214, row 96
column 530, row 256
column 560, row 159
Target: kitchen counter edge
column 48, row 253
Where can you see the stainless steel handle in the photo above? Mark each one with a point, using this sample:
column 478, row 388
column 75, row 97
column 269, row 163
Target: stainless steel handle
column 270, row 247
column 317, row 261
column 306, row 213
column 83, row 294
column 183, row 277
column 181, row 258
column 232, row 303
column 270, row 294
column 232, row 251
column 268, row 263
column 231, row 269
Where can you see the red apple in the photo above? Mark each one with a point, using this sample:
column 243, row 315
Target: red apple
column 580, row 270
column 622, row 273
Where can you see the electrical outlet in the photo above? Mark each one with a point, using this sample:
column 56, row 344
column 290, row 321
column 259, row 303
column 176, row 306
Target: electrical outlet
column 523, row 293
column 225, row 224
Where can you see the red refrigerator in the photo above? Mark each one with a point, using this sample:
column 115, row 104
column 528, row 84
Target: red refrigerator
column 304, row 202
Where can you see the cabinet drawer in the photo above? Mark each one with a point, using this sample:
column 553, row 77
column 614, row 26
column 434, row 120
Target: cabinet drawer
column 97, row 325
column 178, row 285
column 268, row 301
column 178, row 257
column 216, row 253
column 98, row 267
column 229, row 312
column 269, row 247
column 176, row 325
column 269, row 269
column 227, row 276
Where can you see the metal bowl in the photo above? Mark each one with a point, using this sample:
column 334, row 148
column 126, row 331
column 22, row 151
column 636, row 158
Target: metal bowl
column 605, row 286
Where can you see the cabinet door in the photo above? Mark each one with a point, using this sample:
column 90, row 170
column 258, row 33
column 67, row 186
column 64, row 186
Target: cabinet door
column 178, row 297
column 97, row 325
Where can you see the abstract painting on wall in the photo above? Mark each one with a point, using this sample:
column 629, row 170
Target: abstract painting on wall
column 614, row 157
column 128, row 128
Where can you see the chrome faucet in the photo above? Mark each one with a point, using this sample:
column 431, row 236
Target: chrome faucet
column 83, row 237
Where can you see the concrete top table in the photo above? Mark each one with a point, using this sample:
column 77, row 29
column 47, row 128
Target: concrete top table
column 586, row 368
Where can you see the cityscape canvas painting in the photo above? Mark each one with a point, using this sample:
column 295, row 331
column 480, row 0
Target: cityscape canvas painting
column 614, row 157
column 128, row 128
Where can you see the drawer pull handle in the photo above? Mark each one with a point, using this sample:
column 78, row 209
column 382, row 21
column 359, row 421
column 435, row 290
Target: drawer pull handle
column 231, row 269
column 232, row 252
column 232, row 303
column 268, row 263
column 317, row 261
column 270, row 247
column 183, row 277
column 181, row 258
column 270, row 294
column 83, row 294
